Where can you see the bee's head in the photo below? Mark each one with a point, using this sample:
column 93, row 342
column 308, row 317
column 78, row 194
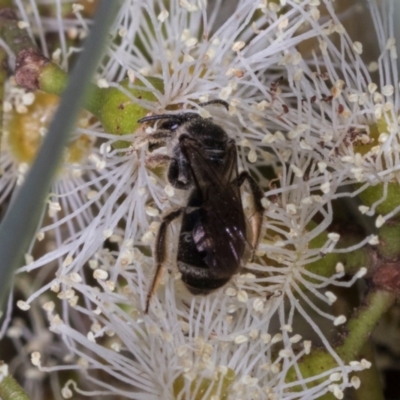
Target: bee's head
column 171, row 121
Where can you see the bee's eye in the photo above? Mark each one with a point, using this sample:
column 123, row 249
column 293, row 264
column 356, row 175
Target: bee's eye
column 170, row 125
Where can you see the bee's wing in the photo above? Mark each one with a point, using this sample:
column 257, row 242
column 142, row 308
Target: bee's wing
column 206, row 176
column 226, row 223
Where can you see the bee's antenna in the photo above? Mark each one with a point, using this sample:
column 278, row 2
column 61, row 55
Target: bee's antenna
column 154, row 118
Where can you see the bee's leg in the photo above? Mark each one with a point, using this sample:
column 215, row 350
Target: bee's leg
column 157, row 160
column 159, row 137
column 257, row 194
column 159, row 253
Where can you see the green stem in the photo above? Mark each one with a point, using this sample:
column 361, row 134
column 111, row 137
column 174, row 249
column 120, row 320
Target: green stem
column 358, row 329
column 10, row 389
column 371, row 384
column 360, row 326
column 15, row 37
column 348, row 299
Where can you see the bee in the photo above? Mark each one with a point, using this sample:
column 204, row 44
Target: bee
column 213, row 236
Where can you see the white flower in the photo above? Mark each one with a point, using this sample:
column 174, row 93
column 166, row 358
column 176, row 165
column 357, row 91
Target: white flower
column 351, row 123
column 241, row 341
column 31, row 339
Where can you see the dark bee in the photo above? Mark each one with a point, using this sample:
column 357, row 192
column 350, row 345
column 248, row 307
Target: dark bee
column 213, row 236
